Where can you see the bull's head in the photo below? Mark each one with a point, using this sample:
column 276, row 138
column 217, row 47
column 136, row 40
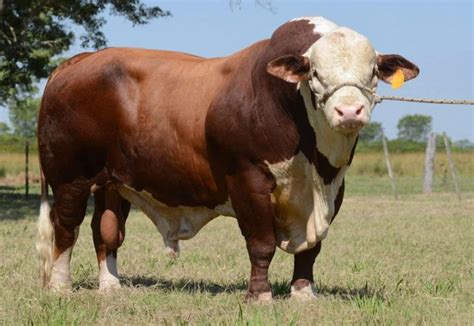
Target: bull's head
column 342, row 69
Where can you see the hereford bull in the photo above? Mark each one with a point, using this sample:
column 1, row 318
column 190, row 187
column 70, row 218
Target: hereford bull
column 265, row 135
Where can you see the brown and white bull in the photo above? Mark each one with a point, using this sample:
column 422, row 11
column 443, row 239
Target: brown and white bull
column 265, row 135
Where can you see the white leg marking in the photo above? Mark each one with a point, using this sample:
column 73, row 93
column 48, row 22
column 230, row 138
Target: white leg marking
column 61, row 270
column 108, row 275
column 305, row 293
column 61, row 273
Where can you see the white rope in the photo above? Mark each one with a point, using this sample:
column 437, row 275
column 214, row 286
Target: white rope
column 380, row 98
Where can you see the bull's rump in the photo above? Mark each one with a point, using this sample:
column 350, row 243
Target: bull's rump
column 141, row 114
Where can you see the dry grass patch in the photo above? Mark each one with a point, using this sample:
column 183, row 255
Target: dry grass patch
column 405, row 262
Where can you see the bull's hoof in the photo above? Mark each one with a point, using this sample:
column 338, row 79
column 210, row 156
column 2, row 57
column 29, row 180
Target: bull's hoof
column 60, row 287
column 265, row 297
column 109, row 286
column 303, row 291
column 108, row 282
column 261, row 298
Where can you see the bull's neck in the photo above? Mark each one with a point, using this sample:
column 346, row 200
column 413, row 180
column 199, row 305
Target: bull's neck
column 303, row 127
column 338, row 148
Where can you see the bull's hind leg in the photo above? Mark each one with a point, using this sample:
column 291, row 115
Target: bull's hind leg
column 67, row 214
column 302, row 284
column 108, row 229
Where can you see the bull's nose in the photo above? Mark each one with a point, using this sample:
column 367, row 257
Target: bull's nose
column 348, row 112
column 350, row 116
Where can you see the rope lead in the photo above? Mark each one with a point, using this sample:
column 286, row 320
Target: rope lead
column 380, row 98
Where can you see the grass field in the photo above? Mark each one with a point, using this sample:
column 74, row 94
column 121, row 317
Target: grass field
column 385, row 261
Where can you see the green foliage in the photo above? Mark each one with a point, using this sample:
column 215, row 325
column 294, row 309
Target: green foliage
column 464, row 144
column 414, row 127
column 372, row 132
column 4, row 129
column 34, row 32
column 15, row 144
column 403, row 146
column 406, row 146
column 24, row 116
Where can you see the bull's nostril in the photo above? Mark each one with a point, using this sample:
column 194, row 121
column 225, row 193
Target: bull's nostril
column 339, row 112
column 359, row 111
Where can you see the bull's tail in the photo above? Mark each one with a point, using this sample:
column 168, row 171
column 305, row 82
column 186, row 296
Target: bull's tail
column 45, row 240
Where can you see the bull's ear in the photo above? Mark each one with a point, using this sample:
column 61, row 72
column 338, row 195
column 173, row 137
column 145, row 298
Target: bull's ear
column 291, row 68
column 388, row 64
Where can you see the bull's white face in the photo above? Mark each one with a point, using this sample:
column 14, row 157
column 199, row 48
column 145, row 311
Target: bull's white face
column 343, row 56
column 340, row 55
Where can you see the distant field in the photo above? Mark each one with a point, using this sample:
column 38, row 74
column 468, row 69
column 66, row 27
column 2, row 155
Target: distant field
column 384, row 262
column 367, row 174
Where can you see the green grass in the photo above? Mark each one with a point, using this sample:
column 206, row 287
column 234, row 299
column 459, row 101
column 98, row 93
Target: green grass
column 384, row 262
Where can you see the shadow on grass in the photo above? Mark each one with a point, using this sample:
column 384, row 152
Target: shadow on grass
column 281, row 290
column 14, row 205
column 365, row 291
column 182, row 285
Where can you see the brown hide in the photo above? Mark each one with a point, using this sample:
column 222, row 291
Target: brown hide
column 188, row 130
column 140, row 114
column 170, row 123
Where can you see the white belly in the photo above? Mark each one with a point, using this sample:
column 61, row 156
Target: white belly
column 304, row 207
column 304, row 204
column 174, row 223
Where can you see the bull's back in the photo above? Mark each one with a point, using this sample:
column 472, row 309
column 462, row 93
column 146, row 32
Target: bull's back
column 140, row 113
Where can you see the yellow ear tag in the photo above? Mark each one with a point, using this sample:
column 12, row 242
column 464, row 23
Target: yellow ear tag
column 398, row 79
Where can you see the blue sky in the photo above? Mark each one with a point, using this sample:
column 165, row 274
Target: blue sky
column 436, row 35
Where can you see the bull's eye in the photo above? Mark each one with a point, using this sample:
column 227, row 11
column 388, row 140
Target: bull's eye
column 317, row 78
column 375, row 76
column 375, row 72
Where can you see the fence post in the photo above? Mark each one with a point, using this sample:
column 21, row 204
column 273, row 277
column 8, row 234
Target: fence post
column 26, row 168
column 451, row 166
column 429, row 163
column 389, row 166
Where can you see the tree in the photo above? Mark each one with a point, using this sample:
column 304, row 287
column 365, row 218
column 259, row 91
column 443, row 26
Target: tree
column 372, row 132
column 34, row 32
column 464, row 144
column 266, row 4
column 24, row 116
column 414, row 127
column 4, row 128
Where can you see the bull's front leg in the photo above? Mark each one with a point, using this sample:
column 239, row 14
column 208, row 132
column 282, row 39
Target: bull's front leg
column 302, row 283
column 250, row 188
